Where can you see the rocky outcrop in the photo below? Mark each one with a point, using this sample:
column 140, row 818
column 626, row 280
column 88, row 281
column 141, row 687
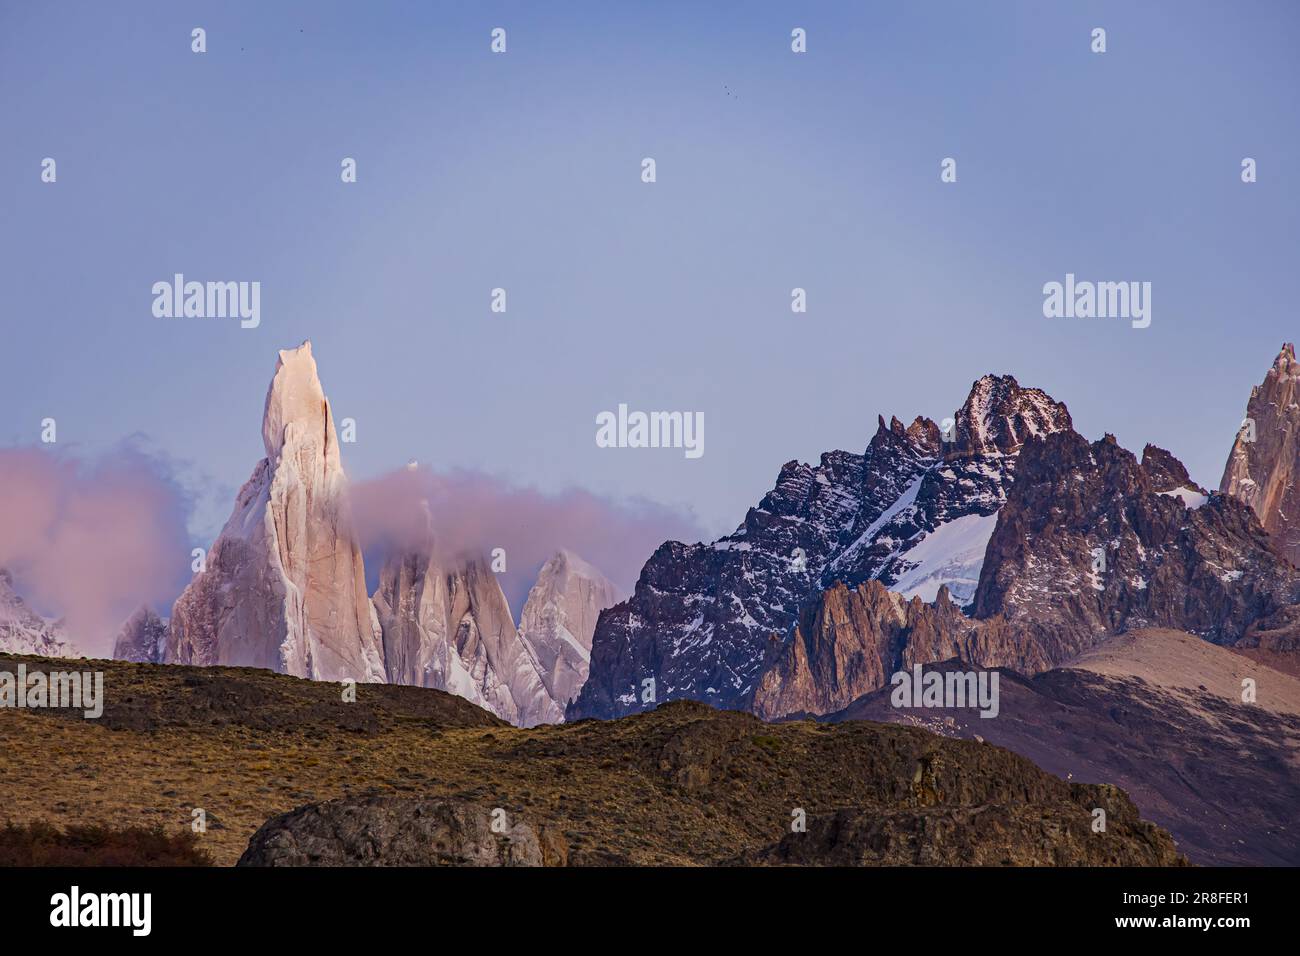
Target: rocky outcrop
column 143, row 638
column 1264, row 465
column 987, row 835
column 1167, row 474
column 557, row 624
column 914, row 511
column 401, row 831
column 846, row 645
column 23, row 631
column 852, row 640
column 284, row 586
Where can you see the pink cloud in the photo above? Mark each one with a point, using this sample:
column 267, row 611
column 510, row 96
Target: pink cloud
column 93, row 541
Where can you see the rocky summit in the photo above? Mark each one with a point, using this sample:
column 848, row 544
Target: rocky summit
column 283, row 586
column 450, row 627
column 142, row 639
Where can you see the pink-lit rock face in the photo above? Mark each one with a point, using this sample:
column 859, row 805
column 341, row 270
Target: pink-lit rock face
column 1261, row 470
column 449, row 626
column 142, row 639
column 284, row 586
column 557, row 625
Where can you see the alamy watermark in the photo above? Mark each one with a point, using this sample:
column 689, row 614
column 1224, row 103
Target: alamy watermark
column 208, row 300
column 67, row 689
column 75, row 908
column 975, row 689
column 625, row 429
column 1098, row 300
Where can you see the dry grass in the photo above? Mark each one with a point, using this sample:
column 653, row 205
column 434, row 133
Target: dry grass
column 40, row 844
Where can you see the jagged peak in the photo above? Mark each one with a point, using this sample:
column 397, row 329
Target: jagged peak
column 295, row 397
column 999, row 414
column 922, row 433
column 1166, row 472
column 573, row 563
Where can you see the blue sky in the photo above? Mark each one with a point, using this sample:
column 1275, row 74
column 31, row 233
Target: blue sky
column 522, row 170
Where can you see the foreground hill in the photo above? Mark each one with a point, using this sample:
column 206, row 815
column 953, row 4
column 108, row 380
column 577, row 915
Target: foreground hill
column 1158, row 713
column 685, row 784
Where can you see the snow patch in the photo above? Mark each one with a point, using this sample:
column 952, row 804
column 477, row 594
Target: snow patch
column 952, row 554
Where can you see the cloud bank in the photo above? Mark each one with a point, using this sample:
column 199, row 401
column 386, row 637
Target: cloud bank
column 91, row 540
column 469, row 512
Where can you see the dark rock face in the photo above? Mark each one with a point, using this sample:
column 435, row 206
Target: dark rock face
column 700, row 620
column 1165, row 472
column 1262, row 468
column 1048, row 542
column 399, row 831
column 1092, row 543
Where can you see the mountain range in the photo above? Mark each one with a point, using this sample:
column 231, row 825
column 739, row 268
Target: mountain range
column 999, row 536
column 1125, row 607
